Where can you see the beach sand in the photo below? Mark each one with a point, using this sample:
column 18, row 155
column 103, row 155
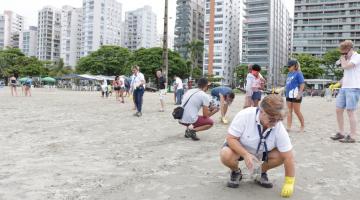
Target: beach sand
column 76, row 145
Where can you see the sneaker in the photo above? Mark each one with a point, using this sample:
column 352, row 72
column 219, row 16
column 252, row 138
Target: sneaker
column 337, row 136
column 347, row 139
column 187, row 134
column 263, row 181
column 224, row 120
column 235, row 178
column 136, row 114
column 139, row 114
column 192, row 134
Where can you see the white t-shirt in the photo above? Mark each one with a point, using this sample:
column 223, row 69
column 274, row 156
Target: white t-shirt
column 122, row 82
column 192, row 108
column 352, row 76
column 179, row 83
column 244, row 127
column 136, row 81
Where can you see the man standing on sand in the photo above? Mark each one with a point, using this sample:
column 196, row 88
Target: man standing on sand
column 179, row 90
column 349, row 93
column 162, row 85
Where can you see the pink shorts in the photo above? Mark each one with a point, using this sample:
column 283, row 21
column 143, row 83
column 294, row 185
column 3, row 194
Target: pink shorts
column 201, row 121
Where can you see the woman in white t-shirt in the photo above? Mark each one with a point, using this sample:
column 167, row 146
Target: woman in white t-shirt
column 258, row 134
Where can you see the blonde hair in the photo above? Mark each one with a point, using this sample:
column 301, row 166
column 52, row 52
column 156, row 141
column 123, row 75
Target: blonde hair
column 136, row 67
column 274, row 105
column 346, row 45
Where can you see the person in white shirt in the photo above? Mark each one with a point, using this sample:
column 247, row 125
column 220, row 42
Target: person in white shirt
column 179, row 90
column 138, row 86
column 349, row 93
column 258, row 134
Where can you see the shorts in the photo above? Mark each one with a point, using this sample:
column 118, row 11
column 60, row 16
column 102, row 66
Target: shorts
column 162, row 93
column 201, row 121
column 260, row 157
column 293, row 100
column 215, row 101
column 256, row 96
column 117, row 88
column 348, row 98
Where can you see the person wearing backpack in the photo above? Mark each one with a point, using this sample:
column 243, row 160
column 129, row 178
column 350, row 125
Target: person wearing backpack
column 194, row 100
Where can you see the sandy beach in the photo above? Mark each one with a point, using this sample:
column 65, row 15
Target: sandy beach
column 75, row 145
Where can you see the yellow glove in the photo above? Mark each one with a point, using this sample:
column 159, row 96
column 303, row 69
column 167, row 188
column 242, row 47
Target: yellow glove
column 288, row 187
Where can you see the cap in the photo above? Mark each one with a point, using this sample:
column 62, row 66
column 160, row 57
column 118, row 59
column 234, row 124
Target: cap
column 291, row 63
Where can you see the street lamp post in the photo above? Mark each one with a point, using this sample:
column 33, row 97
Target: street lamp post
column 165, row 55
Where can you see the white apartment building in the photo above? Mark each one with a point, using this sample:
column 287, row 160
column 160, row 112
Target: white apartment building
column 140, row 28
column 222, row 38
column 2, row 29
column 71, row 27
column 49, row 31
column 101, row 24
column 28, row 41
column 267, row 37
column 11, row 25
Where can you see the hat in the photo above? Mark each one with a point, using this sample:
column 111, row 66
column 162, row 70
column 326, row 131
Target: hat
column 291, row 63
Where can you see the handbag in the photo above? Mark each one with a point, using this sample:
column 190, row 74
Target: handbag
column 179, row 111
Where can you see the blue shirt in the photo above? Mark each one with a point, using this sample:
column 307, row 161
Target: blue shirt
column 293, row 82
column 28, row 82
column 220, row 90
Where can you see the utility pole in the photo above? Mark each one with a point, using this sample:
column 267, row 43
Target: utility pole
column 165, row 58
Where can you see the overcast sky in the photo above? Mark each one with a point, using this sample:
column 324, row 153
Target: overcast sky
column 30, row 8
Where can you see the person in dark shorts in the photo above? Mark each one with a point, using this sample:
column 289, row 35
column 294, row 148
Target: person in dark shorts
column 13, row 84
column 161, row 85
column 294, row 88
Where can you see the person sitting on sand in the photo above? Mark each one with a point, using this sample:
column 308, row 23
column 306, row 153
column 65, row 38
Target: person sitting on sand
column 258, row 134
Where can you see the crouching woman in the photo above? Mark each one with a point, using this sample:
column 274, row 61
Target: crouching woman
column 258, row 135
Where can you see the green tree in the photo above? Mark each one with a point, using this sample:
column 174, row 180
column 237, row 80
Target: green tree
column 196, row 49
column 108, row 60
column 328, row 60
column 149, row 60
column 241, row 73
column 310, row 65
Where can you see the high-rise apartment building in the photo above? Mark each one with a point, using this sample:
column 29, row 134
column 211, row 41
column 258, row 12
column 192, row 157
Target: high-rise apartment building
column 189, row 25
column 320, row 25
column 2, row 31
column 101, row 24
column 71, row 27
column 222, row 38
column 11, row 25
column 140, row 28
column 267, row 37
column 49, row 31
column 28, row 41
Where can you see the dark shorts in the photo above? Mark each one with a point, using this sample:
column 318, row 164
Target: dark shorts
column 201, row 121
column 294, row 100
column 256, row 96
column 241, row 158
column 117, row 88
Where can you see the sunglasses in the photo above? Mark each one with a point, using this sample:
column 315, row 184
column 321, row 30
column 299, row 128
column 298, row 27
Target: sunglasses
column 344, row 54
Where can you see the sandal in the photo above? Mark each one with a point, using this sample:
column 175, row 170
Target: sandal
column 337, row 136
column 347, row 139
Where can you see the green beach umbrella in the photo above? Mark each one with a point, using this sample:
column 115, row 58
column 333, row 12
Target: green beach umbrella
column 48, row 80
column 23, row 79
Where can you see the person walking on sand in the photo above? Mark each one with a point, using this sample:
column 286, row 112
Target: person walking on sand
column 349, row 93
column 104, row 89
column 222, row 97
column 162, row 85
column 13, row 85
column 294, row 91
column 257, row 134
column 138, row 85
column 122, row 87
column 195, row 100
column 179, row 90
column 116, row 85
column 27, row 85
